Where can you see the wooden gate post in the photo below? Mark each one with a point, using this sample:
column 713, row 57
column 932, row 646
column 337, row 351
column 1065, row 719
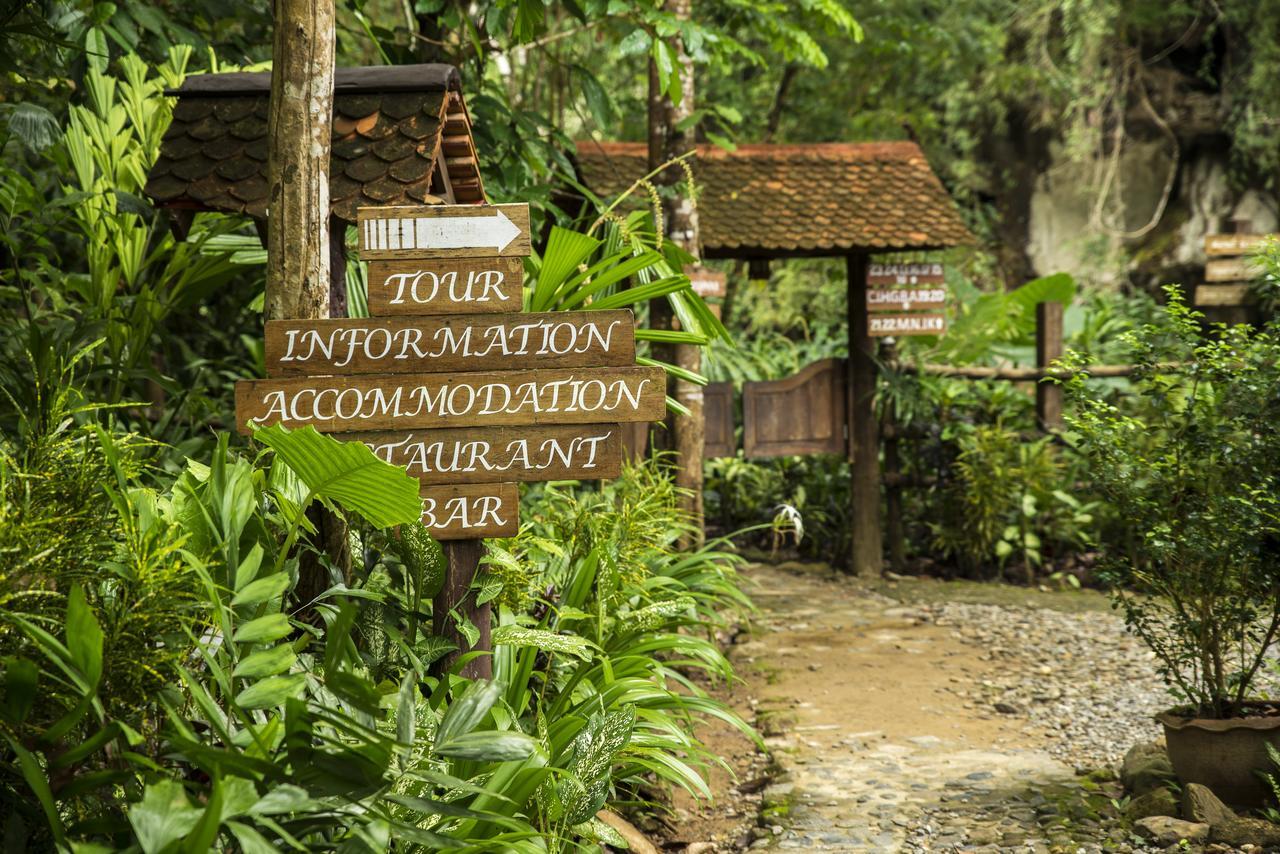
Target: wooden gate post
column 864, row 430
column 892, row 472
column 1048, row 350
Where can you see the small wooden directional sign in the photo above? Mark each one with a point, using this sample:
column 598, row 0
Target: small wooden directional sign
column 928, row 273
column 476, row 342
column 706, row 283
column 880, row 325
column 449, row 380
column 468, row 454
column 1234, row 244
column 421, row 286
column 444, row 231
column 905, row 299
column 474, row 510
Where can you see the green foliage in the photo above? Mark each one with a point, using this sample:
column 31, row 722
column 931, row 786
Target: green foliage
column 1195, row 475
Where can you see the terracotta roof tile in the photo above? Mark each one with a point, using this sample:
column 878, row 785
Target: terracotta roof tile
column 789, row 199
column 387, row 132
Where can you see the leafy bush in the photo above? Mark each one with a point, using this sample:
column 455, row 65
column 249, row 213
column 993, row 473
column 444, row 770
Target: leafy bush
column 1196, row 474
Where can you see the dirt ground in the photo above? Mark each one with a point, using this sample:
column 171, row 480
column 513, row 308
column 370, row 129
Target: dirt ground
column 865, row 700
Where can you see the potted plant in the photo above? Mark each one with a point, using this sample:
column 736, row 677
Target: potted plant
column 1191, row 460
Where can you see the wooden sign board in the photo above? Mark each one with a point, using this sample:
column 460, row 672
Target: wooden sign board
column 469, row 454
column 707, row 283
column 471, row 512
column 1230, row 269
column 410, row 402
column 882, row 325
column 1234, row 244
column 929, row 273
column 904, row 299
column 561, row 339
column 445, row 286
column 1214, row 296
column 444, row 231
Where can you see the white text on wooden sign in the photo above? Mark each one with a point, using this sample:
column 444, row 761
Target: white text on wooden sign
column 469, row 454
column 560, row 339
column 397, row 401
column 906, row 324
column 1234, row 244
column 904, row 299
column 444, row 231
column 445, row 286
column 930, row 273
column 707, row 283
column 1231, row 269
column 471, row 511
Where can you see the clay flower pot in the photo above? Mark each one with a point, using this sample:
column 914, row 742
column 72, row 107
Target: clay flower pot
column 1227, row 755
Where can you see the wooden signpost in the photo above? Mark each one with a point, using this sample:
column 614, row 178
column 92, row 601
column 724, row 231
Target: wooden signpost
column 1226, row 293
column 708, row 284
column 452, row 381
column 905, row 289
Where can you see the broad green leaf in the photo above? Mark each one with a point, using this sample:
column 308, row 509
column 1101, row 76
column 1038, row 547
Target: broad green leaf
column 163, row 816
column 270, row 692
column 268, row 587
column 19, row 685
column 285, row 798
column 248, row 569
column 266, row 629
column 542, row 639
column 84, row 635
column 347, row 473
column 266, row 662
column 251, row 841
column 466, row 712
column 488, row 746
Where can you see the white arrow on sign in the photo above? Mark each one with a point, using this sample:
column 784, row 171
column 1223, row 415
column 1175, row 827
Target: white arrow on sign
column 495, row 231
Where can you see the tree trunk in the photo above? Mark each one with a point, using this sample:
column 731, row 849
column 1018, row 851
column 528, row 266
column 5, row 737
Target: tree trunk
column 299, row 129
column 298, row 228
column 668, row 139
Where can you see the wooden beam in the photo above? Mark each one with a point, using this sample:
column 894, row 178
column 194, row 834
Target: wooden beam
column 1048, row 350
column 864, row 430
column 1222, row 295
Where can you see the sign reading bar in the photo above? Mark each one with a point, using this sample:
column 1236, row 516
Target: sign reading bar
column 444, row 231
column 445, row 286
column 904, row 299
column 387, row 402
column 560, row 339
column 930, row 273
column 468, row 454
column 905, row 324
column 471, row 512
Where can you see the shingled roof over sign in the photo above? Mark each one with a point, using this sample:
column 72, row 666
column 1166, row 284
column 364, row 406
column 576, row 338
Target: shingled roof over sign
column 817, row 199
column 401, row 136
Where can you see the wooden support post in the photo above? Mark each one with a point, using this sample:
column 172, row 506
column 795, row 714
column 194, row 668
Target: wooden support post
column 1048, row 350
column 864, row 430
column 337, row 267
column 892, row 472
column 463, row 559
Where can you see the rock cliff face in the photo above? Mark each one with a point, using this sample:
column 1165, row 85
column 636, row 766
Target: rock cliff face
column 1063, row 232
column 1127, row 190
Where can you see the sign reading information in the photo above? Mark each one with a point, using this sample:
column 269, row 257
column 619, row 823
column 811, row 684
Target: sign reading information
column 449, row 379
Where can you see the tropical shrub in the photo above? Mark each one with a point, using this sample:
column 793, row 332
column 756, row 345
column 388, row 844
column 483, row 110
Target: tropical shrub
column 1196, row 475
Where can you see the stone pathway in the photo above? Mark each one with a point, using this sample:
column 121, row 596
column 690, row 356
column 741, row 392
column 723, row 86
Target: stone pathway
column 923, row 716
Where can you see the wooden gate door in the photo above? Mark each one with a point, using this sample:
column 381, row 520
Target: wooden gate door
column 802, row 414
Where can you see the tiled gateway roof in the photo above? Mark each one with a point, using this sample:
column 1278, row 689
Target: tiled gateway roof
column 390, row 125
column 801, row 199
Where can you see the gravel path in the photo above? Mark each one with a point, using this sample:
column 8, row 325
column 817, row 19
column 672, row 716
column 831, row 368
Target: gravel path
column 905, row 720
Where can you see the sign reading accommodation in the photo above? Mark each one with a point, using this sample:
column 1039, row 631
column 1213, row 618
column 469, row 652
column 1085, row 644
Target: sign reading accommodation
column 449, row 379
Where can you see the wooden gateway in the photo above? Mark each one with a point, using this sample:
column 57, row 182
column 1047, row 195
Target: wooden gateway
column 851, row 200
column 469, row 403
